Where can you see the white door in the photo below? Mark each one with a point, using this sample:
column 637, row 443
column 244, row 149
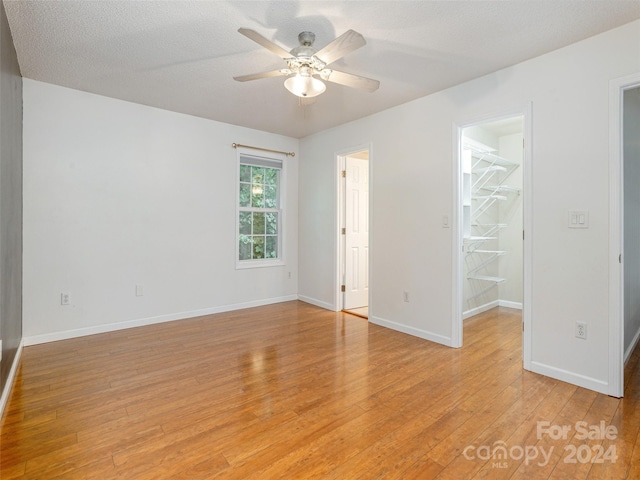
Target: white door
column 356, row 233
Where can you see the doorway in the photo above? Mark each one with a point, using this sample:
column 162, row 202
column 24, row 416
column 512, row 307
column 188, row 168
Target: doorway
column 491, row 266
column 624, row 245
column 630, row 218
column 354, row 232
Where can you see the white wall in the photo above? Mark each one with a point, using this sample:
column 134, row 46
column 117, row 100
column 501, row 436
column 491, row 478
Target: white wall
column 631, row 138
column 118, row 194
column 412, row 187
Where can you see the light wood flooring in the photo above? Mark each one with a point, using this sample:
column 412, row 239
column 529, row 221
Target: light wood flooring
column 291, row 391
column 359, row 312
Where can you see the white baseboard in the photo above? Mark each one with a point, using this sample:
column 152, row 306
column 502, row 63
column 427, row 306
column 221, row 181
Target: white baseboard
column 111, row 327
column 416, row 332
column 571, row 377
column 317, row 303
column 507, row 303
column 632, row 345
column 480, row 309
column 6, row 392
column 489, row 306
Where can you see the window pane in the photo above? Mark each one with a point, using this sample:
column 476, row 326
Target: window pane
column 257, row 196
column 245, row 195
column 271, row 247
column 272, row 223
column 258, row 223
column 258, row 247
column 271, row 176
column 270, row 197
column 257, row 175
column 245, row 173
column 245, row 223
column 259, row 191
column 244, row 248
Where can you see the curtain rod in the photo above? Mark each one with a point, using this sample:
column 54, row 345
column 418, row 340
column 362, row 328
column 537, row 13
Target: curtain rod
column 288, row 154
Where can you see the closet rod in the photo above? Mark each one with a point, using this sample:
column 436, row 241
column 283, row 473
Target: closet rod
column 288, row 154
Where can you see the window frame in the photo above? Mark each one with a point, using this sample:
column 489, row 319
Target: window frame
column 263, row 161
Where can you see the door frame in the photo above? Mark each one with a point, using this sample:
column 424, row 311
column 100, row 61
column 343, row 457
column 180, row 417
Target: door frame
column 525, row 112
column 339, row 162
column 617, row 87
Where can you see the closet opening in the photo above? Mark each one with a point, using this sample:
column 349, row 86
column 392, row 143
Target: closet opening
column 353, row 205
column 492, row 173
column 630, row 256
column 624, row 227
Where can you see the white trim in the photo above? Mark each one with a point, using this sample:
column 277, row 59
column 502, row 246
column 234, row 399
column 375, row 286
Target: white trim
column 508, row 304
column 416, row 332
column 488, row 306
column 259, row 263
column 457, row 315
column 527, row 247
column 616, row 233
column 8, row 386
column 478, row 310
column 570, row 377
column 317, row 303
column 112, row 327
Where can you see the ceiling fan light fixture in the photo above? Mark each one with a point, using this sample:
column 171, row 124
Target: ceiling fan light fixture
column 304, row 86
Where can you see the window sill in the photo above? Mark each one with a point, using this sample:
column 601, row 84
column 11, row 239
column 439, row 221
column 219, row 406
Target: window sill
column 245, row 264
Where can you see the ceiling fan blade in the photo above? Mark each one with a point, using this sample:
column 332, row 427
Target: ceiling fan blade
column 345, row 43
column 257, row 76
column 354, row 81
column 268, row 44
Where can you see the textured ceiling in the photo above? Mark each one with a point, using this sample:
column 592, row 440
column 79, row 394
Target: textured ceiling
column 182, row 55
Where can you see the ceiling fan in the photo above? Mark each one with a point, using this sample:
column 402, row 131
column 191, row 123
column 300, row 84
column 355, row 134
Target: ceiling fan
column 305, row 64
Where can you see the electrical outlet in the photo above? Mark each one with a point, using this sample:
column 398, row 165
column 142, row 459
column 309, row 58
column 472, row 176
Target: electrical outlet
column 581, row 330
column 139, row 290
column 65, row 298
column 405, row 296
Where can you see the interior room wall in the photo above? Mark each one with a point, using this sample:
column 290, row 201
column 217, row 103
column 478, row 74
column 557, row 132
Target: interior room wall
column 413, row 167
column 631, row 155
column 118, row 194
column 10, row 204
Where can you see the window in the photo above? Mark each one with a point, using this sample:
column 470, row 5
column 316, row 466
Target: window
column 259, row 211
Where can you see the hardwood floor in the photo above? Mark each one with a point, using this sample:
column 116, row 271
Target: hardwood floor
column 294, row 391
column 358, row 312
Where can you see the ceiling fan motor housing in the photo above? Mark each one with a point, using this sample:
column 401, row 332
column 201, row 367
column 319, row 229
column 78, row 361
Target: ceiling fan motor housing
column 306, row 38
column 305, row 50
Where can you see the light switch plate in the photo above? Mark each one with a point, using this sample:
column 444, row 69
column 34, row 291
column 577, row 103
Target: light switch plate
column 578, row 219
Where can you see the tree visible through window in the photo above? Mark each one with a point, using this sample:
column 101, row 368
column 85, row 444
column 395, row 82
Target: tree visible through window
column 259, row 212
